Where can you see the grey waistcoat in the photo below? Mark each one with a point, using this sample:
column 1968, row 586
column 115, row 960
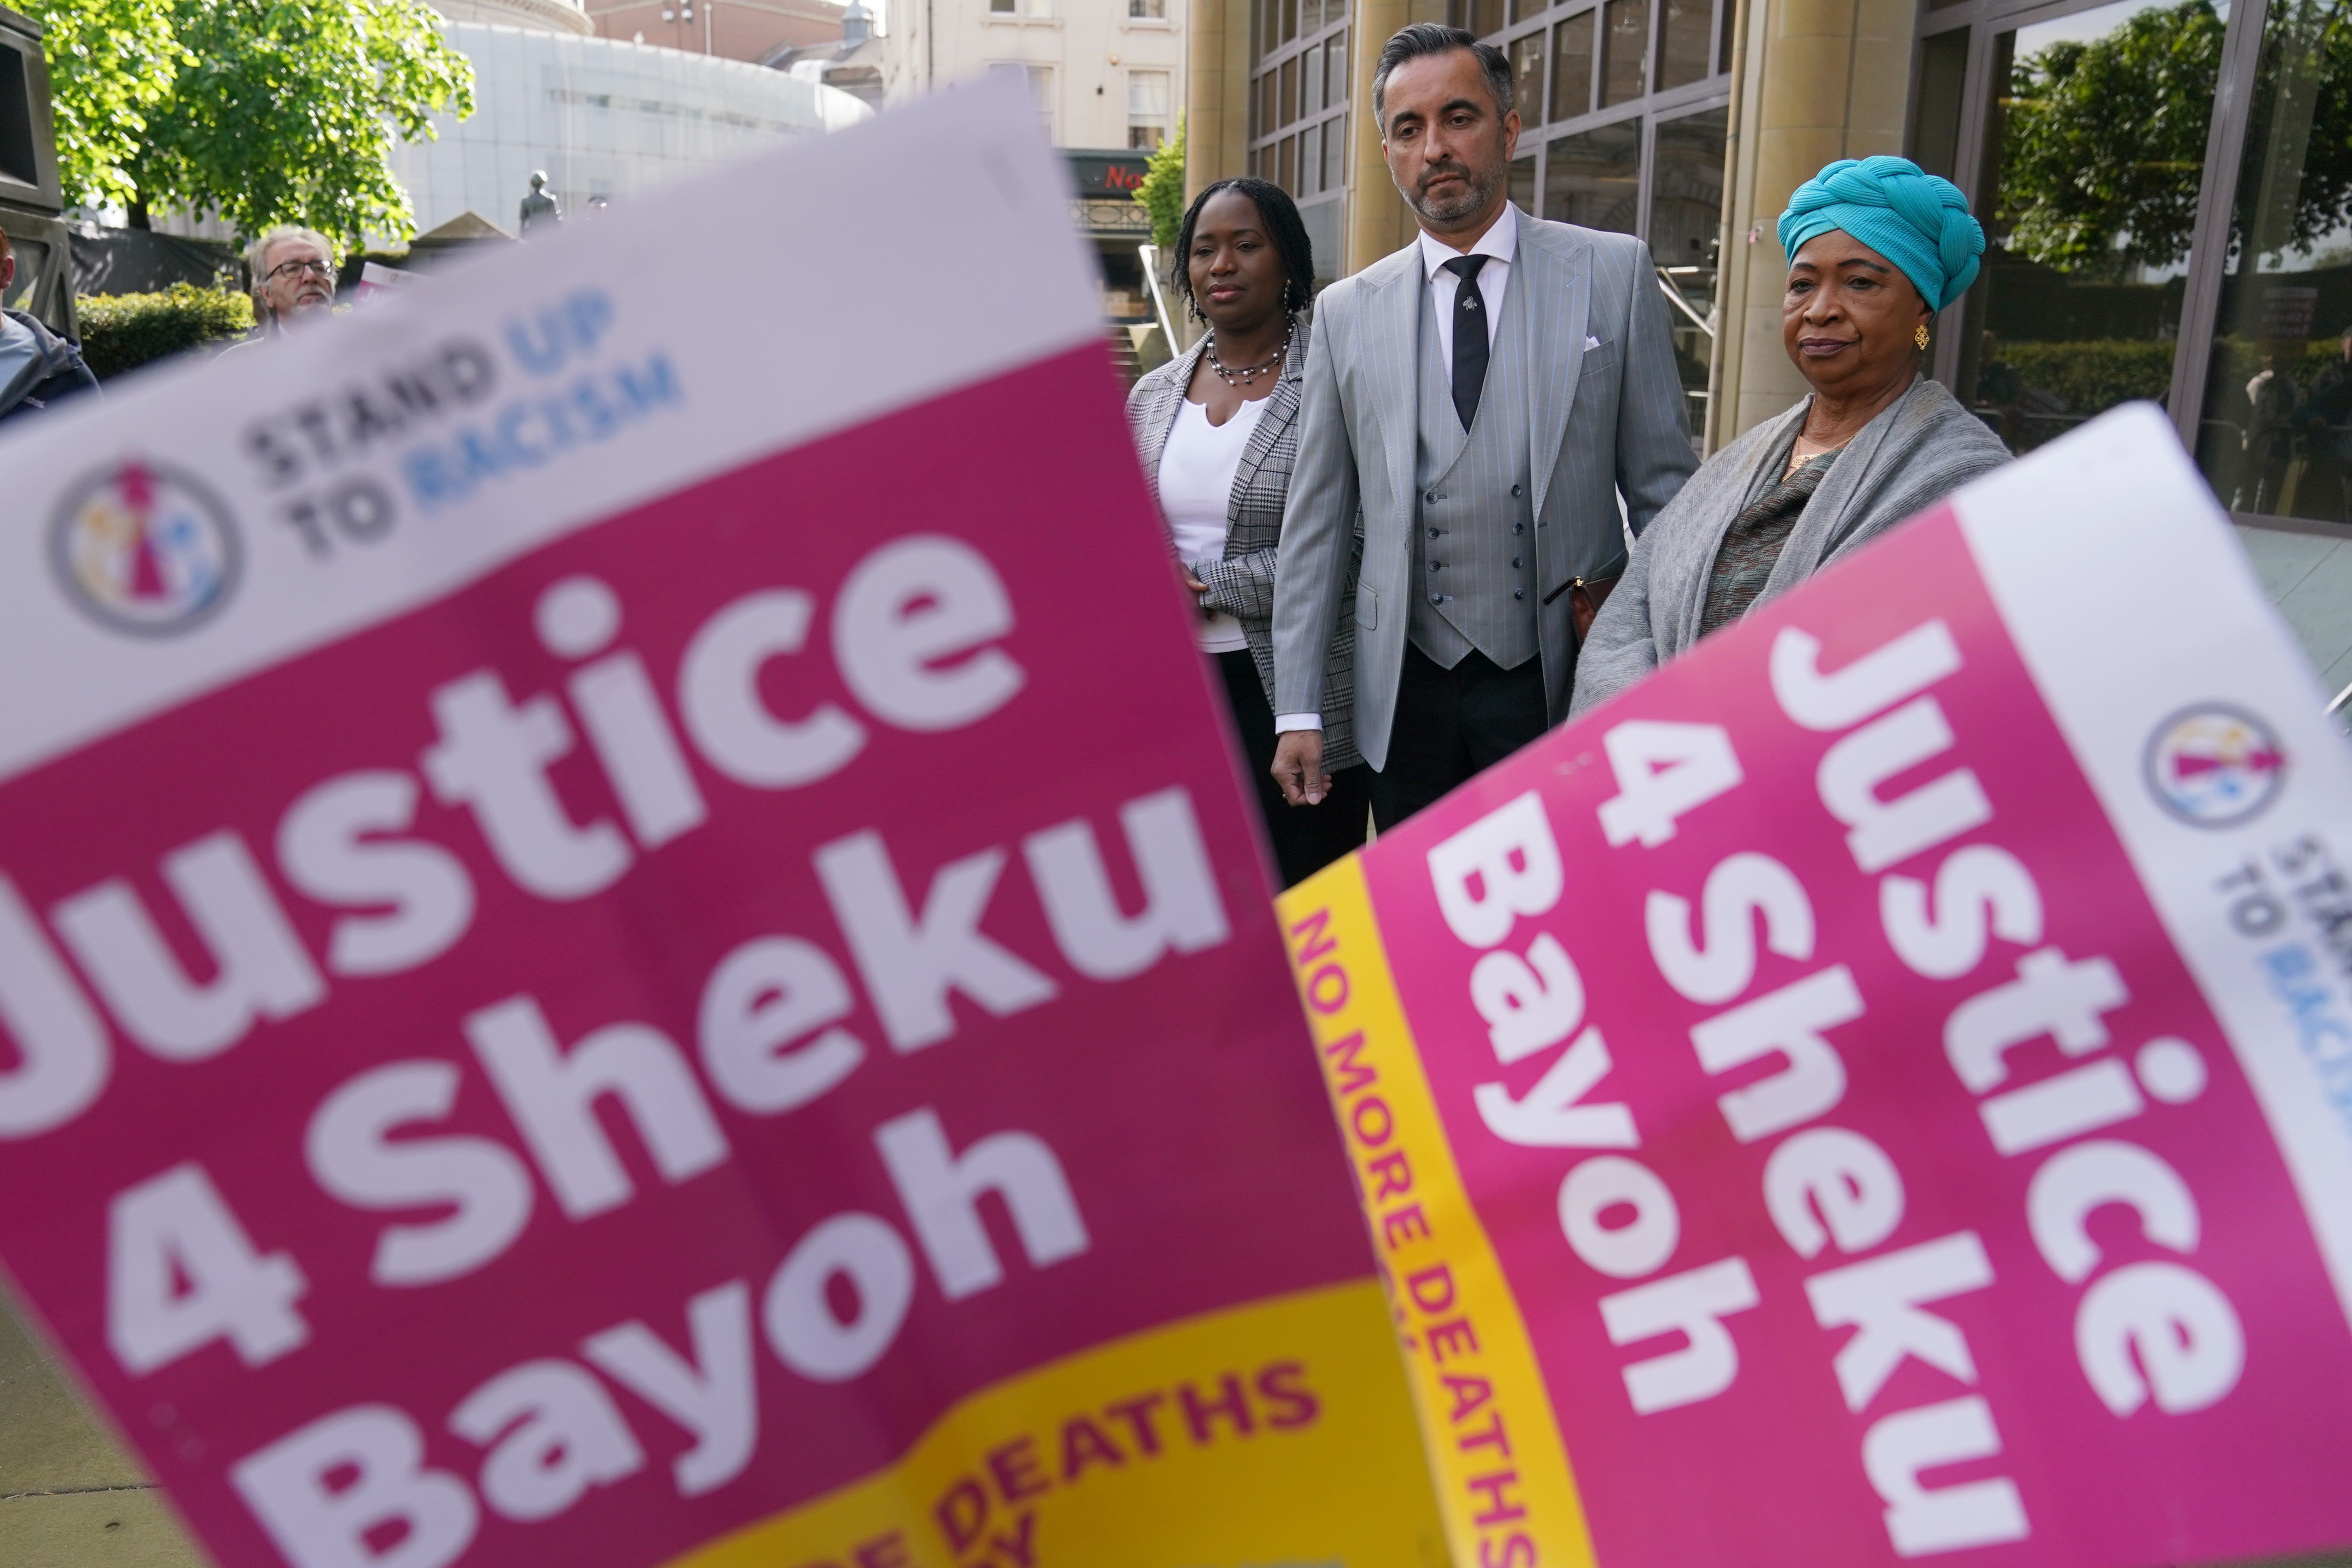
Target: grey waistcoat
column 1472, row 583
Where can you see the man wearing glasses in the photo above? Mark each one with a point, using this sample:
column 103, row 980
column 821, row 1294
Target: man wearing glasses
column 293, row 277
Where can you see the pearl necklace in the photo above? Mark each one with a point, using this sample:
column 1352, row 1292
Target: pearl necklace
column 1248, row 374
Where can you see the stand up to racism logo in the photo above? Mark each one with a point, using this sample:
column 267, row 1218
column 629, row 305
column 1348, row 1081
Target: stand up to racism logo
column 2214, row 766
column 145, row 549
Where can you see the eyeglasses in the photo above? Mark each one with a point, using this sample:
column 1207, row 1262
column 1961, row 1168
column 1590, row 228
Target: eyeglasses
column 287, row 269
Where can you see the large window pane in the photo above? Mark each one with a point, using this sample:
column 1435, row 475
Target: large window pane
column 1523, row 182
column 1594, row 178
column 1571, row 67
column 1686, row 29
column 2276, row 431
column 1147, row 109
column 1286, row 165
column 1624, row 50
column 1335, row 144
column 1310, row 81
column 1528, row 68
column 1685, row 224
column 1287, row 103
column 1335, row 70
column 2094, row 140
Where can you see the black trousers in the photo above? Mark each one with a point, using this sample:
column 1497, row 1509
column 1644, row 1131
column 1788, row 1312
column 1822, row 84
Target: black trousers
column 1305, row 838
column 1452, row 723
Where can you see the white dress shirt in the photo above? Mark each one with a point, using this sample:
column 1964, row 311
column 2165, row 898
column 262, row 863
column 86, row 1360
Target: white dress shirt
column 1197, row 469
column 1498, row 245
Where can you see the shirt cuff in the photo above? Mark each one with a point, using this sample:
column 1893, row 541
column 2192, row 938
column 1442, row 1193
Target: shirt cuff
column 1284, row 722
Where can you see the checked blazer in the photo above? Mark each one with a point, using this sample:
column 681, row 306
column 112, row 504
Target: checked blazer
column 1242, row 583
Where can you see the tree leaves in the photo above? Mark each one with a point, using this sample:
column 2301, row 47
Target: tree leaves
column 1162, row 192
column 2104, row 142
column 264, row 111
column 111, row 62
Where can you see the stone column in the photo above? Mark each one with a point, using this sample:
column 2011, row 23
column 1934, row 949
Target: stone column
column 1216, row 93
column 69, row 1492
column 1378, row 220
column 1814, row 81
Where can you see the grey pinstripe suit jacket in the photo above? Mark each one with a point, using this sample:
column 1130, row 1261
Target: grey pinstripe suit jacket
column 1607, row 416
column 1242, row 584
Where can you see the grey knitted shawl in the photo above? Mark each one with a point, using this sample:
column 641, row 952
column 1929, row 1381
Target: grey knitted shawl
column 1919, row 450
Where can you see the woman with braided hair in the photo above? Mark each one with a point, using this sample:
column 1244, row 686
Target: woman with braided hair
column 1876, row 248
column 1217, row 429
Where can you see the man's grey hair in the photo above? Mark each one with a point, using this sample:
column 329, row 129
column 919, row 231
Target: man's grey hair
column 1423, row 38
column 256, row 255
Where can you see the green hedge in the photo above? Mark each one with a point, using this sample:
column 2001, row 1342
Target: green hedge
column 2094, row 374
column 2243, row 358
column 2100, row 373
column 123, row 332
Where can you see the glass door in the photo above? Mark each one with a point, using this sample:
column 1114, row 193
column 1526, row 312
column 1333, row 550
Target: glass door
column 2275, row 434
column 2093, row 131
column 2167, row 193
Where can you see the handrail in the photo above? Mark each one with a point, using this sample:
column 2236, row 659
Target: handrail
column 1150, row 255
column 2341, row 698
column 1666, row 287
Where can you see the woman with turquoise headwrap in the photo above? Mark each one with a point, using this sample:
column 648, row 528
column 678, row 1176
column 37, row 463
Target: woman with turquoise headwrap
column 1875, row 249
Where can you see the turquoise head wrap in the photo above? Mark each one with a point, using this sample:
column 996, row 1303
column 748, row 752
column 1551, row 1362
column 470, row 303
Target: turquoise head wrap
column 1916, row 221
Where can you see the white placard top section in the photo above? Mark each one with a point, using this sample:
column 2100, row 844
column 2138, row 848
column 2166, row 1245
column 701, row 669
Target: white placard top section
column 2202, row 728
column 213, row 520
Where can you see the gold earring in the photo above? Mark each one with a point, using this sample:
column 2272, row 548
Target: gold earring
column 1920, row 337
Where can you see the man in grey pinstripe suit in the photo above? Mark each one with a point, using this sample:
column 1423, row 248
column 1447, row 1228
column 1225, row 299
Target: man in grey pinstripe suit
column 1483, row 397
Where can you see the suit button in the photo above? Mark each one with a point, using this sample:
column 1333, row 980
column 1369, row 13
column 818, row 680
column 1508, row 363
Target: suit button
column 1431, row 497
column 1436, row 565
column 1515, row 562
column 1518, row 592
column 1518, row 528
column 1515, row 489
column 1432, row 533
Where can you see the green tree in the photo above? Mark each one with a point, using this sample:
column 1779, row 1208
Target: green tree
column 111, row 62
column 2106, row 139
column 2104, row 142
column 265, row 112
column 1162, row 191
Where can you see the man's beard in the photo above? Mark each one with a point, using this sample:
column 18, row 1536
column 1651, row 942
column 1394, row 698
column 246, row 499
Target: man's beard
column 1460, row 203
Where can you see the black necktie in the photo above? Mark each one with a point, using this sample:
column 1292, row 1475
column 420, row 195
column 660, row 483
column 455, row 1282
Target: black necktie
column 1469, row 336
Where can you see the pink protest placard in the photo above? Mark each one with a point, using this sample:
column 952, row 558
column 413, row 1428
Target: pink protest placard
column 632, row 939
column 1880, row 1090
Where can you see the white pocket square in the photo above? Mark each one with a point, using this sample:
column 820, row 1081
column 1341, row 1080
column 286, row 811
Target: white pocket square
column 1592, row 342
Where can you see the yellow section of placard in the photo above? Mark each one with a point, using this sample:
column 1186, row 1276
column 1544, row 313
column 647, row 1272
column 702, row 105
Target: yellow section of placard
column 1502, row 1474
column 1276, row 1433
